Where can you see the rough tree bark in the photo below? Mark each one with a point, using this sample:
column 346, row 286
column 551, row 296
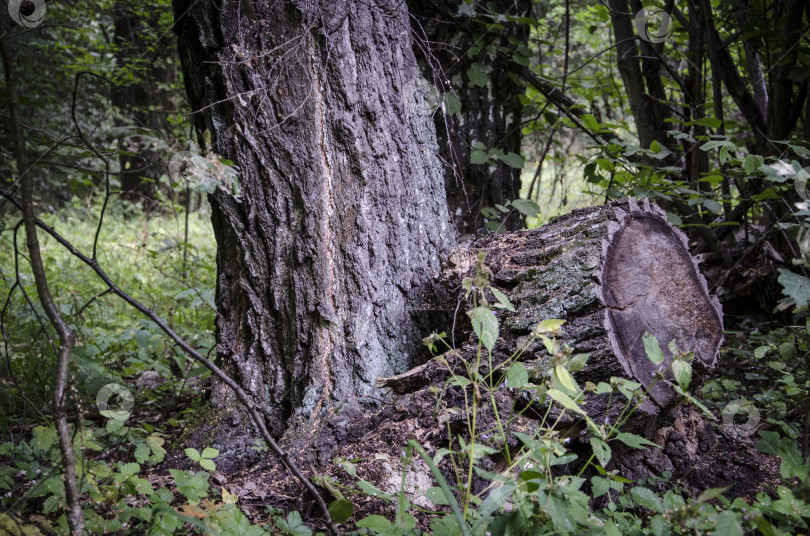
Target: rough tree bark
column 447, row 44
column 341, row 213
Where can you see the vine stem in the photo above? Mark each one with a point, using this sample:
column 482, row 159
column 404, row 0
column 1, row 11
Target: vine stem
column 66, row 337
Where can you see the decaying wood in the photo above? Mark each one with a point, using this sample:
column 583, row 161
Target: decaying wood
column 612, row 273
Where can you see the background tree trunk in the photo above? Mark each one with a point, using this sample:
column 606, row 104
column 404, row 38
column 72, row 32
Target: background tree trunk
column 446, row 44
column 146, row 103
column 341, row 212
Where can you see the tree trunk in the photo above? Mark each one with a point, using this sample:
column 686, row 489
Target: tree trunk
column 341, row 212
column 612, row 273
column 447, row 45
column 146, row 102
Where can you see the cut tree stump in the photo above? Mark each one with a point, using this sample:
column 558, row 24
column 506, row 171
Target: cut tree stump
column 612, row 273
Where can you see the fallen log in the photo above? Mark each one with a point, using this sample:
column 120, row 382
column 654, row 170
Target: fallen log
column 612, row 273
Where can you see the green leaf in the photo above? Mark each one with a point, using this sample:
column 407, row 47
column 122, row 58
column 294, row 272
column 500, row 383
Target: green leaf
column 454, row 507
column 142, row 453
column 711, row 122
column 341, row 510
column 683, row 372
column 565, row 401
column 550, row 325
column 208, row 464
column 635, row 441
column 566, row 381
column 436, row 496
column 503, row 301
column 601, row 450
column 527, row 207
column 752, row 162
column 477, row 73
column 376, row 523
column 130, row 469
column 517, row 375
column 647, row 498
column 294, row 525
column 728, row 523
column 674, row 219
column 208, row 452
column 714, row 144
column 193, row 453
column 769, row 444
column 513, row 160
column 479, row 157
column 520, row 59
column 653, row 349
column 761, row 351
column 369, row 489
column 711, row 493
column 713, row 206
column 452, row 104
column 485, row 324
column 44, row 437
column 600, row 486
column 795, row 286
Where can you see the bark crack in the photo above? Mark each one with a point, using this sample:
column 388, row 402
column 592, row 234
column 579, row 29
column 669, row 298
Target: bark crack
column 326, row 229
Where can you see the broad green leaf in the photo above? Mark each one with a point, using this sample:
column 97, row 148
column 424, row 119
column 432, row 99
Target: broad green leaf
column 795, row 286
column 566, row 381
column 208, row 464
column 601, row 450
column 479, row 157
column 599, row 486
column 376, row 523
column 647, row 498
column 527, row 207
column 485, row 324
column 44, row 437
column 193, row 453
column 715, row 144
column 565, row 401
column 713, row 206
column 513, row 160
column 728, row 523
column 130, row 469
column 452, row 104
column 761, row 351
column 477, row 73
column 517, row 375
column 683, row 372
column 341, row 510
column 436, row 496
column 711, row 122
column 752, row 163
column 653, row 349
column 550, row 325
column 209, row 452
column 369, row 489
